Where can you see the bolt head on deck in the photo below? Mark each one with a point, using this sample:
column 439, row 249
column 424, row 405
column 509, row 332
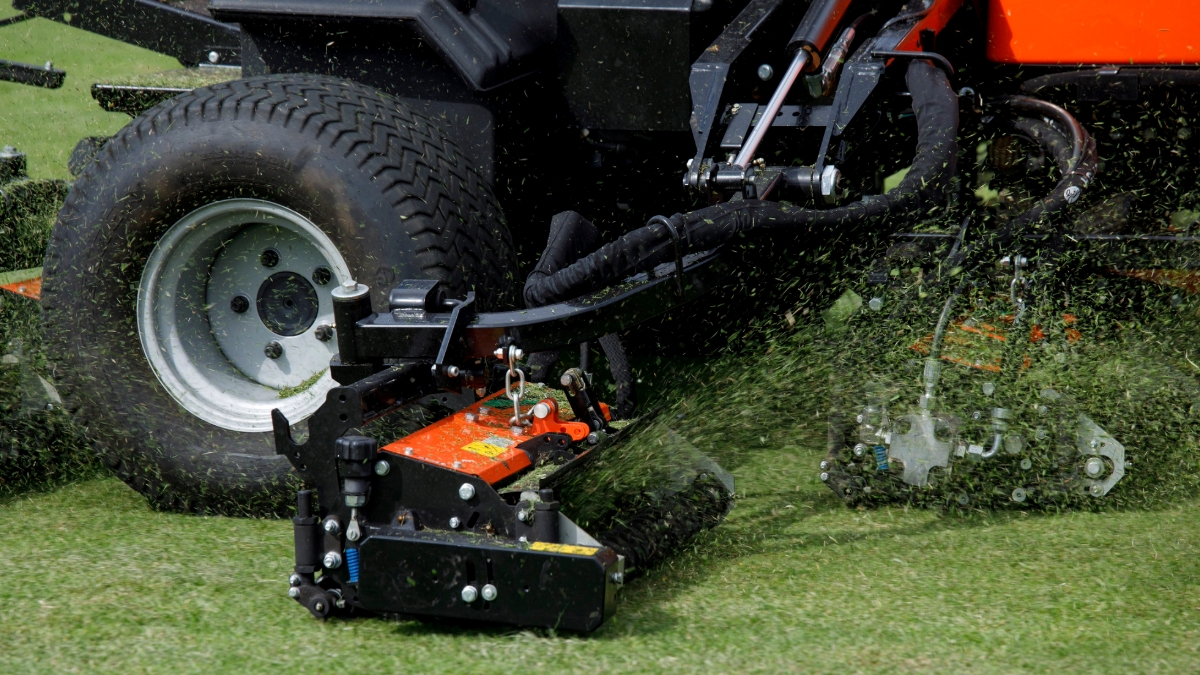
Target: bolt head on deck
column 382, row 468
column 489, row 592
column 466, row 491
column 454, row 522
column 765, row 72
column 470, row 594
column 293, row 592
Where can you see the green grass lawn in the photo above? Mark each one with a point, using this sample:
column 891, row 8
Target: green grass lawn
column 46, row 124
column 792, row 582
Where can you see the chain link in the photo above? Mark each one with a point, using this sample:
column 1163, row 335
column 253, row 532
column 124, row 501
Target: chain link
column 517, row 420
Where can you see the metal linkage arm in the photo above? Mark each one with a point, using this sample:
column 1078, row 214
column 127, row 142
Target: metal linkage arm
column 403, row 333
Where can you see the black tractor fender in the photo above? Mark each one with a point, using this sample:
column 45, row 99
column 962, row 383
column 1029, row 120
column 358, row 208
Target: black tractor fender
column 489, row 43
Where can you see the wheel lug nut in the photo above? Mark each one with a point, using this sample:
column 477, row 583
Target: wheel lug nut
column 273, row 350
column 239, row 304
column 269, row 258
column 323, row 332
column 322, row 275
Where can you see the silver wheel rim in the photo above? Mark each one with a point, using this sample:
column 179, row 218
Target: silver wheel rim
column 210, row 351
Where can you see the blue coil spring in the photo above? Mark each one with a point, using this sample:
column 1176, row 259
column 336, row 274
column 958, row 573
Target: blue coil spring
column 880, row 459
column 352, row 564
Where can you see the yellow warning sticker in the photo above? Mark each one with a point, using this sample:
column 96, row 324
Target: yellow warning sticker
column 563, row 548
column 485, row 449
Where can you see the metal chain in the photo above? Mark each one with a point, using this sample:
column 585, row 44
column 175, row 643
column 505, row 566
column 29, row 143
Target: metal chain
column 517, row 419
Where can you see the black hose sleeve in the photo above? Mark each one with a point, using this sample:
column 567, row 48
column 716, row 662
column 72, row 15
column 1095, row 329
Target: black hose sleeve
column 936, row 108
column 571, row 237
column 618, row 365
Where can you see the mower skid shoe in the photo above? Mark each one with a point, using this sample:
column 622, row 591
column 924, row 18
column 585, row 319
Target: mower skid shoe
column 467, row 578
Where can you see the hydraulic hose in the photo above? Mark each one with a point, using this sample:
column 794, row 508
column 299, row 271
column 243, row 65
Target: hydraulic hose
column 1073, row 150
column 561, row 274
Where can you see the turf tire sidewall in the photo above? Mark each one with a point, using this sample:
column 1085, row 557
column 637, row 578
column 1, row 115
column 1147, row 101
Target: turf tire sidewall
column 392, row 193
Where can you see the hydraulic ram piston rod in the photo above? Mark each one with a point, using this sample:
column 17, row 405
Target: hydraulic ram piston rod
column 746, row 154
column 809, row 40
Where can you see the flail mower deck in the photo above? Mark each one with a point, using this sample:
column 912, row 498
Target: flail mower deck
column 460, row 519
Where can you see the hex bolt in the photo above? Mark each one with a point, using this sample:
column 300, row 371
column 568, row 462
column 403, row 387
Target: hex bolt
column 1094, row 467
column 617, row 578
column 332, row 560
column 522, row 516
column 239, row 304
column 273, row 350
column 295, row 580
column 489, row 592
column 382, row 468
column 824, row 476
column 593, row 438
column 875, row 304
column 824, row 464
column 860, row 450
column 214, row 58
column 293, row 592
column 470, row 594
column 322, row 275
column 323, row 332
column 765, row 72
column 269, row 258
column 454, row 522
column 466, row 491
column 989, row 388
column 333, row 527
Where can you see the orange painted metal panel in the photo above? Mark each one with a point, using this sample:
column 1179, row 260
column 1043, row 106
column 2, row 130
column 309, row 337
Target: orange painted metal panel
column 30, row 288
column 1094, row 32
column 476, row 440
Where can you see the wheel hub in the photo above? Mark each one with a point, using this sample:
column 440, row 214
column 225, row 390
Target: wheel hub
column 287, row 303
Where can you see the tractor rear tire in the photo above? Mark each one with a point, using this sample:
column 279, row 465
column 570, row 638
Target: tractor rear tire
column 152, row 326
